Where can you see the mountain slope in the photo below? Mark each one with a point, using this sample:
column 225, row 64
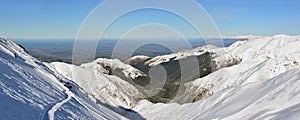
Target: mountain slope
column 254, row 79
column 100, row 87
column 276, row 98
column 170, row 71
column 29, row 90
column 263, row 85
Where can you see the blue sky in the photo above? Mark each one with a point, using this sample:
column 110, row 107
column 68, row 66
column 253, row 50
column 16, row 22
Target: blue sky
column 62, row 18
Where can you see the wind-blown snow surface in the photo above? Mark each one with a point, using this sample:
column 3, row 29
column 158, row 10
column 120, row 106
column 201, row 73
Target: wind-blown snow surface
column 264, row 85
column 29, row 90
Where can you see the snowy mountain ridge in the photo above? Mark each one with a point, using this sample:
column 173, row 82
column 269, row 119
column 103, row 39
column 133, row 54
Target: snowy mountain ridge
column 180, row 55
column 102, row 87
column 250, row 78
column 29, row 90
column 114, row 64
column 263, row 85
column 253, row 79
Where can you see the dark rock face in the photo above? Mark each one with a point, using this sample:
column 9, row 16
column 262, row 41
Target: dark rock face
column 168, row 83
column 23, row 48
column 169, row 77
column 176, row 78
column 107, row 68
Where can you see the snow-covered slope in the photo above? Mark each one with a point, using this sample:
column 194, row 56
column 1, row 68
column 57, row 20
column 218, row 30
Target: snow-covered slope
column 136, row 59
column 276, row 98
column 29, row 90
column 254, row 79
column 180, row 55
column 263, row 85
column 116, row 65
column 96, row 79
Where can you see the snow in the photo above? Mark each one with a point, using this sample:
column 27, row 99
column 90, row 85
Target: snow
column 114, row 64
column 7, row 51
column 261, row 100
column 30, row 90
column 58, row 105
column 136, row 59
column 180, row 55
column 108, row 89
column 264, row 85
column 255, row 79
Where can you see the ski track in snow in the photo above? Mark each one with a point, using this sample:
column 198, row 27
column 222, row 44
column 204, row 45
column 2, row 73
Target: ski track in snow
column 263, row 85
column 33, row 91
column 58, row 105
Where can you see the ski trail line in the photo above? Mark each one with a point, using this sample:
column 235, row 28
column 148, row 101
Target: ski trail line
column 58, row 105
